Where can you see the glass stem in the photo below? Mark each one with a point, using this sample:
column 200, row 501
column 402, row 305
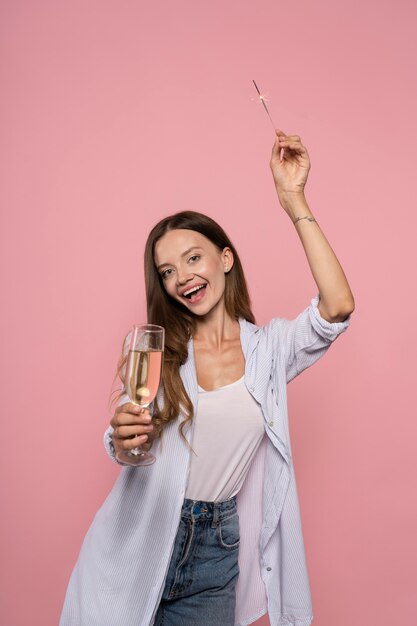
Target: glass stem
column 138, row 450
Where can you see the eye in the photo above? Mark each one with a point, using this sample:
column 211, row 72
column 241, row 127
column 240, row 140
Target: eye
column 194, row 258
column 166, row 274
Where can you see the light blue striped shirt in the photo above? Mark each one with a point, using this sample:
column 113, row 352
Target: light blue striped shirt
column 120, row 573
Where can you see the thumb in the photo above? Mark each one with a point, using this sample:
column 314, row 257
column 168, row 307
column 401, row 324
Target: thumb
column 276, row 149
column 280, row 133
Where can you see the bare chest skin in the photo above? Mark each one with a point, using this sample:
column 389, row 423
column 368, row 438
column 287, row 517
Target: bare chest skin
column 219, row 367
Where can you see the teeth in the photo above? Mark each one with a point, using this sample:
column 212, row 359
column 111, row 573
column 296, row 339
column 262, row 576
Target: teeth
column 190, row 291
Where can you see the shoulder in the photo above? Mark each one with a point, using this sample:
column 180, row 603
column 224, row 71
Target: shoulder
column 265, row 337
column 273, row 326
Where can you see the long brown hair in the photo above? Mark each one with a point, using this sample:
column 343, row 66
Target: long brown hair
column 178, row 322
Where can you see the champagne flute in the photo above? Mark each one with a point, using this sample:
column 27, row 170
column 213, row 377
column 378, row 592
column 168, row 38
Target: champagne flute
column 143, row 376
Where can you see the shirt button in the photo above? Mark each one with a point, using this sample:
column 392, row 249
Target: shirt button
column 271, row 423
column 268, row 569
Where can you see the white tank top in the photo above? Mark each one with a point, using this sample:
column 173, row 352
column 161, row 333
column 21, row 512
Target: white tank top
column 227, row 432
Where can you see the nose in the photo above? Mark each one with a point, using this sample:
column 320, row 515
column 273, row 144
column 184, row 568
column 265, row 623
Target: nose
column 183, row 277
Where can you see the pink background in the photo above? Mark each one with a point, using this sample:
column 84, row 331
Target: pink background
column 114, row 114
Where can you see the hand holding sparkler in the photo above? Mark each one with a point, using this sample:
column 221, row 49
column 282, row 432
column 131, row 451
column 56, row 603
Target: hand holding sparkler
column 290, row 164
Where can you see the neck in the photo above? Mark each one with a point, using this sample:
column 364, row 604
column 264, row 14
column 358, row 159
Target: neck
column 216, row 328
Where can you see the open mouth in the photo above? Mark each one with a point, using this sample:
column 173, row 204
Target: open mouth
column 195, row 293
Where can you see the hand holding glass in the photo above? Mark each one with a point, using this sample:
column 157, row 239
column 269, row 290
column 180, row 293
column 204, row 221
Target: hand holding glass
column 143, row 376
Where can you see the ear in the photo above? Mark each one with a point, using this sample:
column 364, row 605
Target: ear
column 227, row 258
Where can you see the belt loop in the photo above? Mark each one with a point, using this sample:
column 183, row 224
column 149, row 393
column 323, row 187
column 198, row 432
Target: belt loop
column 192, row 511
column 216, row 509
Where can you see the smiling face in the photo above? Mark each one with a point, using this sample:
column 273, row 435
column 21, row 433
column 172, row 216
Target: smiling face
column 193, row 269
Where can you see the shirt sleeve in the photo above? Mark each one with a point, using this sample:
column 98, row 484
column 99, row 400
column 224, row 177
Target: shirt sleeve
column 124, row 398
column 308, row 337
column 108, row 439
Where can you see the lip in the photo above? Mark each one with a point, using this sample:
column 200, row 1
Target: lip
column 189, row 287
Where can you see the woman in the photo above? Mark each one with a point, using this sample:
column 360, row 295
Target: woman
column 211, row 532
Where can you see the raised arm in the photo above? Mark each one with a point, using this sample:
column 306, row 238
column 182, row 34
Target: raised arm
column 290, row 164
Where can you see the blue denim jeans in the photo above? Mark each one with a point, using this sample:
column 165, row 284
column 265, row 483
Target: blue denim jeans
column 203, row 572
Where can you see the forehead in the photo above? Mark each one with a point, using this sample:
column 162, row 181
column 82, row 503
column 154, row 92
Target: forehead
column 171, row 246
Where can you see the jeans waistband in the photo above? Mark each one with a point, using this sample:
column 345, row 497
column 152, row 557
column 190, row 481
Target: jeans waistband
column 201, row 510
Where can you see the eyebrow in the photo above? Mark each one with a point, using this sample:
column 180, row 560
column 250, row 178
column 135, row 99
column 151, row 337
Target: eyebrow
column 182, row 255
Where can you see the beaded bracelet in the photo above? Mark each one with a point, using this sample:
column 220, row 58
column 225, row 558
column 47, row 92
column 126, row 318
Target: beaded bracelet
column 306, row 217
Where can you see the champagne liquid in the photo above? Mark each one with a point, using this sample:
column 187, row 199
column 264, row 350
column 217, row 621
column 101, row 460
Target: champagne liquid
column 143, row 375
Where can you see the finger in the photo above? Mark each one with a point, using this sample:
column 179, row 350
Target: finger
column 280, row 133
column 128, row 444
column 134, row 443
column 127, row 432
column 293, row 145
column 123, row 419
column 292, row 138
column 129, row 407
column 276, row 147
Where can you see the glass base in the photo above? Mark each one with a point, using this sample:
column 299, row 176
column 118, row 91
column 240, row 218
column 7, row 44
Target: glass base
column 135, row 457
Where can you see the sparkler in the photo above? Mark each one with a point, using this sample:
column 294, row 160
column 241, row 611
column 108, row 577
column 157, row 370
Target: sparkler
column 262, row 99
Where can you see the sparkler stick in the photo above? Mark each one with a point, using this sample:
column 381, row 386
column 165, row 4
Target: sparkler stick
column 262, row 99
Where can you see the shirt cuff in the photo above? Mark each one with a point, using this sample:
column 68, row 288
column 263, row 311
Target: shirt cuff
column 327, row 330
column 108, row 444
